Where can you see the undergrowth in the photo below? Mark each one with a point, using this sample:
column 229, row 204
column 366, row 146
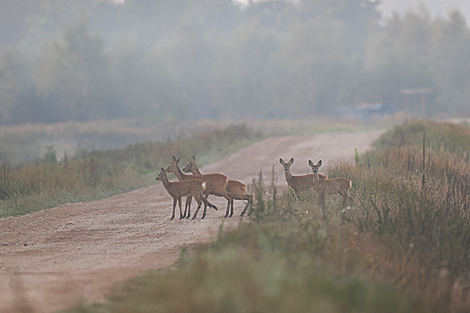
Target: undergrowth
column 97, row 174
column 401, row 245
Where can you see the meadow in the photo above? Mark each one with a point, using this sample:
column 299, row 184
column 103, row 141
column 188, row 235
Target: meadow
column 402, row 244
column 42, row 166
column 96, row 174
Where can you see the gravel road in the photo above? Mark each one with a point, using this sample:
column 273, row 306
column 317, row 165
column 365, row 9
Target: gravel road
column 51, row 259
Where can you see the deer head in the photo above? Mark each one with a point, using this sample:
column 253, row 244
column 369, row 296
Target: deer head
column 286, row 165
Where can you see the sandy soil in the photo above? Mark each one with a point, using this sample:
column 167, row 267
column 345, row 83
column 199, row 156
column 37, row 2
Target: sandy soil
column 50, row 260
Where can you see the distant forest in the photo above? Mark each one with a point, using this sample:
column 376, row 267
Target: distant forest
column 68, row 60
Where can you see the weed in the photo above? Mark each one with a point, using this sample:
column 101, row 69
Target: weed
column 95, row 174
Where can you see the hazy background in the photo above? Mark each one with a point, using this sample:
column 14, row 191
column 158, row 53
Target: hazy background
column 69, row 60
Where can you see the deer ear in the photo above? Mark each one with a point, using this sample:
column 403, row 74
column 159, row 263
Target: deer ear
column 162, row 170
column 319, row 163
column 177, row 161
column 291, row 161
column 282, row 161
column 311, row 163
column 173, row 158
column 193, row 158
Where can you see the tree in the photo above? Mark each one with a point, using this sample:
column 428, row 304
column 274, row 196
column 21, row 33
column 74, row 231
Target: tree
column 14, row 77
column 76, row 73
column 450, row 63
column 315, row 67
column 240, row 83
column 399, row 57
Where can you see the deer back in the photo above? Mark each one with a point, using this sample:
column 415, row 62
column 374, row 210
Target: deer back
column 334, row 185
column 303, row 182
column 186, row 188
column 235, row 187
column 215, row 183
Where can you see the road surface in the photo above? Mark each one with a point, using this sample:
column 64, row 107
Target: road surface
column 51, row 259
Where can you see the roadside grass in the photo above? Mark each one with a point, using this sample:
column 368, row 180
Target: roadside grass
column 402, row 244
column 26, row 143
column 90, row 174
column 97, row 174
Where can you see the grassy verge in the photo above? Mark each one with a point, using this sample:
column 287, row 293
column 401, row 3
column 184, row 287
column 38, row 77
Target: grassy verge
column 96, row 174
column 401, row 246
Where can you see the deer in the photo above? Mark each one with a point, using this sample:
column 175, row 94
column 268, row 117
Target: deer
column 330, row 186
column 235, row 188
column 298, row 183
column 191, row 187
column 215, row 184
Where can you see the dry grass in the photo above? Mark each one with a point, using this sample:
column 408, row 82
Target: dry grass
column 96, row 174
column 401, row 246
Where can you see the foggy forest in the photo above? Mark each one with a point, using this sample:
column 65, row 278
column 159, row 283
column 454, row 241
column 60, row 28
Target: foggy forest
column 90, row 60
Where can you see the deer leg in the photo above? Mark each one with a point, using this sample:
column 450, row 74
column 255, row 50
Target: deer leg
column 204, row 212
column 345, row 198
column 231, row 207
column 174, row 206
column 210, row 204
column 187, row 207
column 248, row 204
column 199, row 202
column 244, row 209
column 179, row 204
column 206, row 203
column 251, row 207
column 229, row 200
column 198, row 207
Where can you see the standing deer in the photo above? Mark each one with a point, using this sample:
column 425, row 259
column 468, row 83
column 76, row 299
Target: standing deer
column 192, row 187
column 339, row 185
column 215, row 183
column 235, row 188
column 298, row 183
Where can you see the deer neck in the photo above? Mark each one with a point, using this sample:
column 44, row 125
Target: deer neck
column 165, row 182
column 195, row 170
column 179, row 174
column 288, row 176
column 316, row 177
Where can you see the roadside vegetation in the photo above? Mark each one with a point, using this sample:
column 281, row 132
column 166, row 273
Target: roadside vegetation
column 402, row 245
column 40, row 168
column 97, row 174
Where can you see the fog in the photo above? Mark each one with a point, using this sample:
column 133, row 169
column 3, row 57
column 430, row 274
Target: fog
column 434, row 7
column 187, row 60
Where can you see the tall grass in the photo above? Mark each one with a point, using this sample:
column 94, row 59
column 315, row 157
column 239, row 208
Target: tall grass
column 402, row 244
column 97, row 174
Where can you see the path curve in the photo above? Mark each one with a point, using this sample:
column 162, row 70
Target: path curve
column 53, row 258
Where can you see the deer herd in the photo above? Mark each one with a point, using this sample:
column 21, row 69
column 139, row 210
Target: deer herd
column 200, row 186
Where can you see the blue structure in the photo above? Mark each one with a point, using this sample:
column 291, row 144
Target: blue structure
column 364, row 111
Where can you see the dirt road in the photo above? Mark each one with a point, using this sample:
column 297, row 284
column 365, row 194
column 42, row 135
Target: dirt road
column 51, row 259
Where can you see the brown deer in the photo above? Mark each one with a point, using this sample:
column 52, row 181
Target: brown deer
column 235, row 188
column 192, row 187
column 298, row 183
column 215, row 183
column 330, row 186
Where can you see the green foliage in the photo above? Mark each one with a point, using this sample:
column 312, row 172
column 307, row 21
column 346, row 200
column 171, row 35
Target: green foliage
column 425, row 211
column 50, row 157
column 356, row 157
column 450, row 137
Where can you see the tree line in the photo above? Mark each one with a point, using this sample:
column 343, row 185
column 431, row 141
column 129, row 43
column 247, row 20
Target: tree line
column 91, row 59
